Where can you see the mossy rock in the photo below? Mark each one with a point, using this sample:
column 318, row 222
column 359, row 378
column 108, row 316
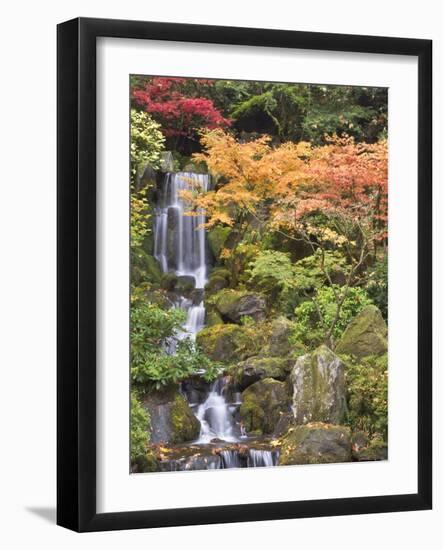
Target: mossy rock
column 216, row 239
column 158, row 297
column 228, row 342
column 319, row 390
column 279, row 340
column 172, row 420
column 168, row 281
column 184, row 424
column 365, row 449
column 233, row 305
column 215, row 284
column 221, row 272
column 213, row 317
column 145, row 463
column 263, row 403
column 315, row 443
column 254, row 369
column 365, row 335
column 145, row 268
column 184, row 284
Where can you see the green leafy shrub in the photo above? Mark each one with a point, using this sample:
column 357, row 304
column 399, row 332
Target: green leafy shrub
column 367, row 386
column 318, row 316
column 154, row 333
column 140, row 428
column 147, row 141
column 271, row 271
column 313, row 271
column 377, row 285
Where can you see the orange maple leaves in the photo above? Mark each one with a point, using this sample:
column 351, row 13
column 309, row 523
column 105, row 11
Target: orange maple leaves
column 294, row 179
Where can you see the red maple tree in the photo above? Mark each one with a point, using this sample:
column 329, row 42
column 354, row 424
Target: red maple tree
column 173, row 103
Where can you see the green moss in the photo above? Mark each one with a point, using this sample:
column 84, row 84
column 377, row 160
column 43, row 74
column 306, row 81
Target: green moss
column 216, row 238
column 140, row 428
column 319, row 387
column 280, row 343
column 264, row 402
column 235, row 304
column 221, row 272
column 145, row 463
column 144, row 268
column 168, row 281
column 215, row 283
column 365, row 335
column 315, row 444
column 213, row 318
column 185, row 426
column 229, row 342
column 254, row 369
column 226, row 299
column 367, row 394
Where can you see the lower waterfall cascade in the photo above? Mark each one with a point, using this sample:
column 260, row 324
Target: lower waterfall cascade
column 180, row 247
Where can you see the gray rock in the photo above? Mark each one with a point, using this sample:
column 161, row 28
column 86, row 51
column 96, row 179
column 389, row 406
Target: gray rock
column 365, row 335
column 281, row 330
column 172, row 420
column 319, row 391
column 254, row 369
column 185, row 283
column 263, row 404
column 316, row 444
column 235, row 304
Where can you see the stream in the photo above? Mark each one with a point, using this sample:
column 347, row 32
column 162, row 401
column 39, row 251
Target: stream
column 181, row 248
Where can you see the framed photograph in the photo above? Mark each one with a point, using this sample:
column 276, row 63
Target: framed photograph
column 244, row 274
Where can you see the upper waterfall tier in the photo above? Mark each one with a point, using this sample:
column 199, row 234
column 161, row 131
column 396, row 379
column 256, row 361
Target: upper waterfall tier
column 179, row 246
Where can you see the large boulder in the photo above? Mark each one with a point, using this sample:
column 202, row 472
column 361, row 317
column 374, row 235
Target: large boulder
column 254, row 369
column 172, row 420
column 213, row 317
column 365, row 335
column 228, row 342
column 279, row 340
column 263, row 403
column 168, row 281
column 145, row 268
column 315, row 443
column 366, row 449
column 216, row 239
column 185, row 284
column 233, row 305
column 319, row 391
column 215, row 284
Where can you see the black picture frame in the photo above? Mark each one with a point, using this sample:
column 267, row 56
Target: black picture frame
column 76, row 295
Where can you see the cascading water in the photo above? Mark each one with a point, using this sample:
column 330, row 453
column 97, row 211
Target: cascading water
column 180, row 248
column 179, row 245
column 215, row 415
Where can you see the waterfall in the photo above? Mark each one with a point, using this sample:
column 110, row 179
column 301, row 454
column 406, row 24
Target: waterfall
column 180, row 248
column 257, row 458
column 178, row 245
column 215, row 415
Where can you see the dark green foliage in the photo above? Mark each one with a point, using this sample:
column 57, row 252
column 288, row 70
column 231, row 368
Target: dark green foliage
column 314, row 318
column 309, row 112
column 377, row 285
column 140, row 428
column 367, row 383
column 153, row 331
